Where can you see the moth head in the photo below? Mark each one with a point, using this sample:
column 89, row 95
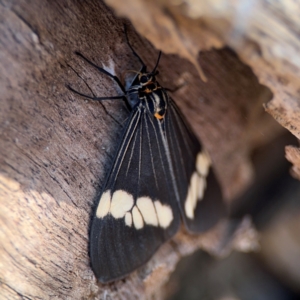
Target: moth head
column 147, row 78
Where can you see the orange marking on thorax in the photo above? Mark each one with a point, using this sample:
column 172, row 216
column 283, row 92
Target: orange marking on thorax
column 158, row 116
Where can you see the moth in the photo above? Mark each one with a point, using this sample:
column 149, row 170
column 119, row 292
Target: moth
column 160, row 176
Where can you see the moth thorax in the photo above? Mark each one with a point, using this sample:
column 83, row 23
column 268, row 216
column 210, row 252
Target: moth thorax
column 157, row 103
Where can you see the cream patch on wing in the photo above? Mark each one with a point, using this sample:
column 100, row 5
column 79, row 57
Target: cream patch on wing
column 104, row 205
column 201, row 187
column 145, row 212
column 197, row 184
column 128, row 219
column 146, row 207
column 191, row 199
column 164, row 214
column 137, row 218
column 121, row 203
column 203, row 163
column 188, row 207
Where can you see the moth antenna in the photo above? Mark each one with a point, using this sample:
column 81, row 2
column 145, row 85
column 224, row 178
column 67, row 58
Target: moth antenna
column 157, row 62
column 134, row 53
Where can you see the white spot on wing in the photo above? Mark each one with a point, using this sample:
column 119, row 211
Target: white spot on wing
column 137, row 218
column 201, row 187
column 194, row 189
column 191, row 199
column 104, row 205
column 128, row 219
column 146, row 207
column 197, row 184
column 195, row 193
column 121, row 203
column 203, row 163
column 164, row 214
column 188, row 207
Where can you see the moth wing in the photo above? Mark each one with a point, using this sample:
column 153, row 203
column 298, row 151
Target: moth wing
column 201, row 203
column 137, row 211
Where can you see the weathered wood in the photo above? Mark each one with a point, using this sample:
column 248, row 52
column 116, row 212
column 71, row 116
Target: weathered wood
column 56, row 148
column 293, row 155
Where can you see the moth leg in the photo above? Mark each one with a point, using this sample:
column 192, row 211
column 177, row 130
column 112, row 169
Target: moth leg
column 95, row 98
column 115, row 78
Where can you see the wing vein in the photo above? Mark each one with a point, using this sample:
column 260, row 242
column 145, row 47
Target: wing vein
column 158, row 144
column 166, row 146
column 123, row 150
column 150, row 149
column 174, row 139
column 140, row 155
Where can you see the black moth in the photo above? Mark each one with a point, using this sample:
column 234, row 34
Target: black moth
column 160, row 176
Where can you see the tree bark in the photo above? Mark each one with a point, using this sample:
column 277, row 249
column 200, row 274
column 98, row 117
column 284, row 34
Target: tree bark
column 56, row 148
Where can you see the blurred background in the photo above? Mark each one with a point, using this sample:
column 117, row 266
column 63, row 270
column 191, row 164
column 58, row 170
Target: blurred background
column 273, row 272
